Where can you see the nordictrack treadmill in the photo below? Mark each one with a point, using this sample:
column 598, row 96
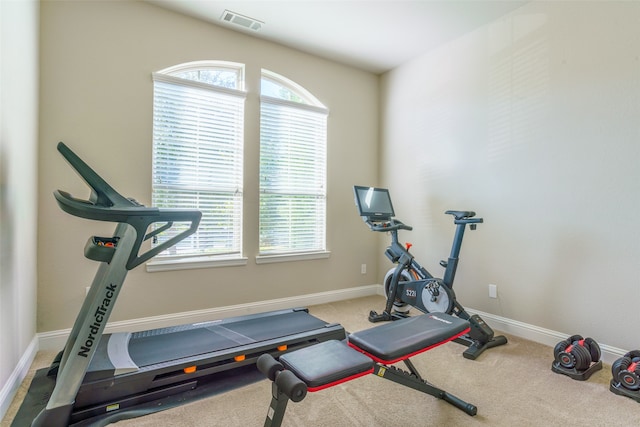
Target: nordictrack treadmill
column 100, row 378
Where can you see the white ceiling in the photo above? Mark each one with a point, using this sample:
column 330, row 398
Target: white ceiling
column 374, row 35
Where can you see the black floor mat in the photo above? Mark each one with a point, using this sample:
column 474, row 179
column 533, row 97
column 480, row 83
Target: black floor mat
column 42, row 386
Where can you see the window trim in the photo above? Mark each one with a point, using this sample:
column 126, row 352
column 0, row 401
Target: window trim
column 158, row 77
column 192, row 263
column 238, row 67
column 297, row 256
column 308, row 97
column 311, row 105
column 195, row 261
column 293, row 104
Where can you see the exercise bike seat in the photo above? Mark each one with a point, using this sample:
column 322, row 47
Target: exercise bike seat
column 401, row 339
column 461, row 214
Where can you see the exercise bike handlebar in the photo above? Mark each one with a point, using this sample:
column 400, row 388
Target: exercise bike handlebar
column 390, row 225
column 106, row 204
column 460, row 217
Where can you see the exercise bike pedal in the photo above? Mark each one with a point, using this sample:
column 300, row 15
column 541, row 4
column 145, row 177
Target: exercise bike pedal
column 398, row 315
column 374, row 317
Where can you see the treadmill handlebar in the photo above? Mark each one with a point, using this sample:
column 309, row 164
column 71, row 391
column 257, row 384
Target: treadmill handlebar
column 106, row 204
column 99, row 211
column 102, row 194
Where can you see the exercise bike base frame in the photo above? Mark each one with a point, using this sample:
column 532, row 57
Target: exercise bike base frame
column 476, row 348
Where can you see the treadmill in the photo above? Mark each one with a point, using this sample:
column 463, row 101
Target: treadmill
column 101, row 378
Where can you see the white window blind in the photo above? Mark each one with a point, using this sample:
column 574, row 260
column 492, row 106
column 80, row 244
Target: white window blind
column 292, row 177
column 197, row 161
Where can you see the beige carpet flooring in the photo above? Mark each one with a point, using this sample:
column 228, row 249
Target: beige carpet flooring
column 512, row 385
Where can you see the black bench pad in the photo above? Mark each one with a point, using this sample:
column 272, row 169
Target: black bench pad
column 404, row 338
column 326, row 364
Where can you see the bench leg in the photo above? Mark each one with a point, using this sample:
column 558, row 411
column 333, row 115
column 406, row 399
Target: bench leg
column 277, row 407
column 412, row 369
column 414, row 381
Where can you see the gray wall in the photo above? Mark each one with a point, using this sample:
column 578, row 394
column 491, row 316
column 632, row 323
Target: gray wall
column 96, row 64
column 18, row 185
column 532, row 121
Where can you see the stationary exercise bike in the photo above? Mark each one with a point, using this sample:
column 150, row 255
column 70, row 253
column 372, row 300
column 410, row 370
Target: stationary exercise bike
column 409, row 284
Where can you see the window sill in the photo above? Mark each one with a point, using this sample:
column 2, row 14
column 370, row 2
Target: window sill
column 268, row 259
column 193, row 263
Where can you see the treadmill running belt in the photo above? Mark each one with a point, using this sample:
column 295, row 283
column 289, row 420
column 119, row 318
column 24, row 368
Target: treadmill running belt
column 276, row 326
column 154, row 349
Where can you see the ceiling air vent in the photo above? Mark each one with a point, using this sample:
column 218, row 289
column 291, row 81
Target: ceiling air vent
column 241, row 20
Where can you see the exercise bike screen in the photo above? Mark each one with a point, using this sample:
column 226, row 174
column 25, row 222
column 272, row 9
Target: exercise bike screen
column 374, row 203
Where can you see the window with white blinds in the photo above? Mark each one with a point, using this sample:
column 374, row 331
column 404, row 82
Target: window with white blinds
column 293, row 164
column 198, row 123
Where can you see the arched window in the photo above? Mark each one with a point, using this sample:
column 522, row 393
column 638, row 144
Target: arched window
column 293, row 168
column 198, row 126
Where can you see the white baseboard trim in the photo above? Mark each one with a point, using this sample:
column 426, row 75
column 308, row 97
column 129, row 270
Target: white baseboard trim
column 541, row 335
column 12, row 384
column 55, row 340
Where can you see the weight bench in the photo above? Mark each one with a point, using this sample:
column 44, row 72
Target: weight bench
column 371, row 351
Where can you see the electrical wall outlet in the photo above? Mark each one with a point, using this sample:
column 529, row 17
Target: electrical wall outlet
column 493, row 291
column 363, row 269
